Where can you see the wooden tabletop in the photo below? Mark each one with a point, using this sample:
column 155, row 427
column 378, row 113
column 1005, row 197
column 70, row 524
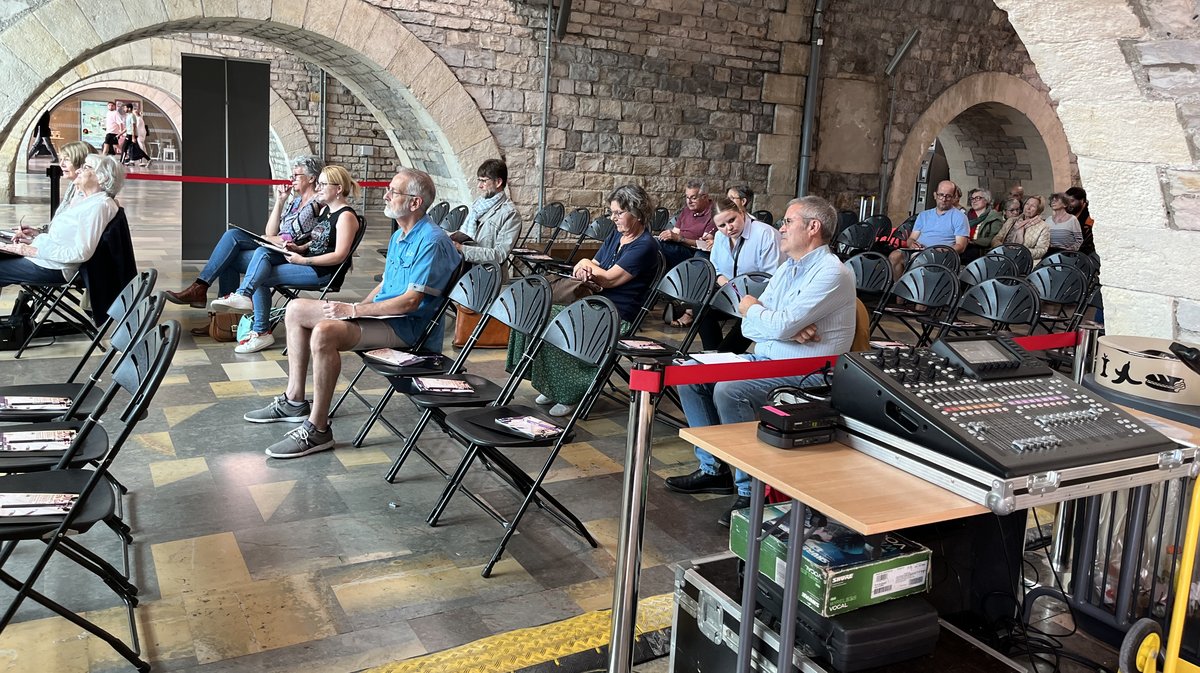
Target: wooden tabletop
column 852, row 487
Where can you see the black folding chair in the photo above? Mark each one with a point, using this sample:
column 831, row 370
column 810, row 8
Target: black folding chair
column 872, row 275
column 586, row 330
column 1086, row 264
column 724, row 306
column 942, row 255
column 525, row 307
column 454, row 220
column 91, row 499
column 438, row 212
column 332, row 285
column 1065, row 288
column 1002, row 302
column 763, row 216
column 598, row 230
column 932, row 287
column 82, row 397
column 1019, row 254
column 661, row 221
column 572, row 225
column 547, row 219
column 986, row 268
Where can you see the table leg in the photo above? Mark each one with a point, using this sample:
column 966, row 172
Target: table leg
column 750, row 576
column 629, row 545
column 791, row 586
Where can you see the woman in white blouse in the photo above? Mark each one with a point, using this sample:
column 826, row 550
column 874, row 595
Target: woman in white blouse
column 53, row 257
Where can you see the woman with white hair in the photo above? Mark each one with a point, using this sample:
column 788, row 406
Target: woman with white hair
column 75, row 231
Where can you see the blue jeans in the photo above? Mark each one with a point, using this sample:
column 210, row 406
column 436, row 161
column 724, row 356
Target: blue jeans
column 19, row 270
column 266, row 270
column 729, row 402
column 229, row 259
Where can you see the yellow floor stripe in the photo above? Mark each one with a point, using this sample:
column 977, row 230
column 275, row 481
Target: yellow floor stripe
column 512, row 651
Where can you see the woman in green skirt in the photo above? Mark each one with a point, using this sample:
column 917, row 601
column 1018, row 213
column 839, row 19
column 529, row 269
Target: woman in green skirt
column 625, row 268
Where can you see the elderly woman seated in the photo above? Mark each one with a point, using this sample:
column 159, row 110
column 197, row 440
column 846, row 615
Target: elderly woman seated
column 624, row 268
column 1029, row 229
column 312, row 262
column 53, row 257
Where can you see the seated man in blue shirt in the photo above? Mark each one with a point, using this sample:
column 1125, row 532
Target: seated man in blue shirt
column 944, row 224
column 421, row 260
column 811, row 292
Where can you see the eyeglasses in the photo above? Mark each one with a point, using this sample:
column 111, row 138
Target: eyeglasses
column 389, row 193
column 614, row 214
column 297, row 176
column 978, row 198
column 944, row 196
column 693, row 198
column 321, row 184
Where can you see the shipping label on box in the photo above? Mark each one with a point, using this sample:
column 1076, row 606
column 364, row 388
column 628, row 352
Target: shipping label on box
column 838, row 574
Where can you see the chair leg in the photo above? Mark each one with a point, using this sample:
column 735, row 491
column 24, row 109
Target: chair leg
column 409, row 445
column 455, row 482
column 521, row 481
column 349, row 388
column 376, row 412
column 88, row 560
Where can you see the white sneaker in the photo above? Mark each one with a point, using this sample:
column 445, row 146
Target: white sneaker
column 233, row 303
column 542, row 399
column 562, row 410
column 254, row 342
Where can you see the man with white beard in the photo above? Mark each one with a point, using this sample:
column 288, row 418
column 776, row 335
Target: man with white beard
column 421, row 259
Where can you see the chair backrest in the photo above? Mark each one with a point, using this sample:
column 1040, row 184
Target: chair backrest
column 651, row 296
column 986, row 268
column 438, row 212
column 882, row 225
column 1007, row 300
column 1019, row 254
column 549, row 216
column 443, row 302
column 872, row 272
column 727, row 298
column 846, row 219
column 600, row 228
column 524, row 305
column 575, row 223
column 141, row 372
column 586, row 330
column 855, row 238
column 931, row 285
column 763, row 216
column 691, row 282
column 1059, row 284
column 134, row 292
column 339, row 275
column 942, row 255
column 476, row 289
column 454, row 220
column 1084, row 263
column 658, row 223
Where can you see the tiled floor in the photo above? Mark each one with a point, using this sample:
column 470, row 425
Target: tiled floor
column 317, row 564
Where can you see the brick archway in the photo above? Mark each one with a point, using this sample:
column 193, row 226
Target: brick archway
column 984, row 88
column 428, row 115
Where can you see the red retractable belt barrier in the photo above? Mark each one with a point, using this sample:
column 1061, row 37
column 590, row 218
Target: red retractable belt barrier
column 675, row 375
column 214, row 180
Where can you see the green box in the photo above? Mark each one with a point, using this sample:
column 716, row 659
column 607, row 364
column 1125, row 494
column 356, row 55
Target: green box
column 835, row 579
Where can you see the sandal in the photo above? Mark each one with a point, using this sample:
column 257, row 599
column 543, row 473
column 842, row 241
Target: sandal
column 684, row 320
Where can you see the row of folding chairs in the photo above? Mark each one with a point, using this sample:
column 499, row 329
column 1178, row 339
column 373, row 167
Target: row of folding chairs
column 76, row 479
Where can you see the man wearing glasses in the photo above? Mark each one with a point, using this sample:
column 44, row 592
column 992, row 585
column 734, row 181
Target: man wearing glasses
column 692, row 224
column 493, row 223
column 941, row 225
column 420, row 262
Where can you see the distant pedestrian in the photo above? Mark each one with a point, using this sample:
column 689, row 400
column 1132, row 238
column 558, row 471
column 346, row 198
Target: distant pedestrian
column 114, row 126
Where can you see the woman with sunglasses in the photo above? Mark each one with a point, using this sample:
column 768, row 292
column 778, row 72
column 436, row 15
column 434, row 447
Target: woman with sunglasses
column 292, row 218
column 311, row 262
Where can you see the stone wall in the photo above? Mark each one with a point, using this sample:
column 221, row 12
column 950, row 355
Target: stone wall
column 957, row 40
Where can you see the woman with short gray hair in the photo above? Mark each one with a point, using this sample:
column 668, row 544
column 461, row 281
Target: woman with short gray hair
column 75, row 232
column 292, row 219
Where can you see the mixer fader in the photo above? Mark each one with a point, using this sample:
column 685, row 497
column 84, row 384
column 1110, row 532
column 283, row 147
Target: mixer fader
column 986, row 402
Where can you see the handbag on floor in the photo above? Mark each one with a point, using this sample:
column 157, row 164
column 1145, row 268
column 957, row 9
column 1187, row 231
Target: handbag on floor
column 495, row 335
column 223, row 326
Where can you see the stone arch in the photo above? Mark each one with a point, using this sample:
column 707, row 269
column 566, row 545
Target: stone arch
column 428, row 115
column 992, row 146
column 982, row 88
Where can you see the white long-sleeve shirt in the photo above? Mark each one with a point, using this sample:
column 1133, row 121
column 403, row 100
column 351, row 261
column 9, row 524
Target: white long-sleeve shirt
column 816, row 289
column 74, row 233
column 757, row 249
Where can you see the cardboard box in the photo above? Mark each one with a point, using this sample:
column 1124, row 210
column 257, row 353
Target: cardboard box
column 838, row 574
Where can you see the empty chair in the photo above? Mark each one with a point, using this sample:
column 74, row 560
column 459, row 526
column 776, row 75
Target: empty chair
column 524, row 306
column 763, row 216
column 547, row 219
column 439, row 212
column 574, row 225
column 872, row 274
column 1078, row 260
column 1064, row 292
column 932, row 288
column 986, row 268
column 1018, row 253
column 661, row 221
column 598, row 230
column 454, row 219
column 1002, row 302
column 943, row 255
column 587, row 331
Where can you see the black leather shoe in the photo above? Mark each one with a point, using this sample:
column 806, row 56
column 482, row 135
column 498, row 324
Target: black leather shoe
column 740, row 502
column 699, row 482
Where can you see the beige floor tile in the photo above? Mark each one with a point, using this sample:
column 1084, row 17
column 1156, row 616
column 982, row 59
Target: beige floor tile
column 162, row 627
column 227, row 389
column 268, row 497
column 170, row 471
column 583, row 461
column 249, row 371
column 595, row 594
column 180, row 413
column 190, row 357
column 175, row 379
column 51, row 644
column 418, row 581
column 603, row 427
column 606, row 530
column 675, row 452
column 159, row 442
column 255, row 617
column 199, row 564
column 352, row 457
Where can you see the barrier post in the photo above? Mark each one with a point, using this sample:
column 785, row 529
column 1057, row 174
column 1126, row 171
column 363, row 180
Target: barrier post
column 633, row 518
column 1085, row 352
column 54, row 172
column 1063, row 532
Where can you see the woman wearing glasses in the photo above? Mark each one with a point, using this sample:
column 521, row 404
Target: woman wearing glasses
column 624, row 268
column 1029, row 230
column 308, row 262
column 292, row 218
